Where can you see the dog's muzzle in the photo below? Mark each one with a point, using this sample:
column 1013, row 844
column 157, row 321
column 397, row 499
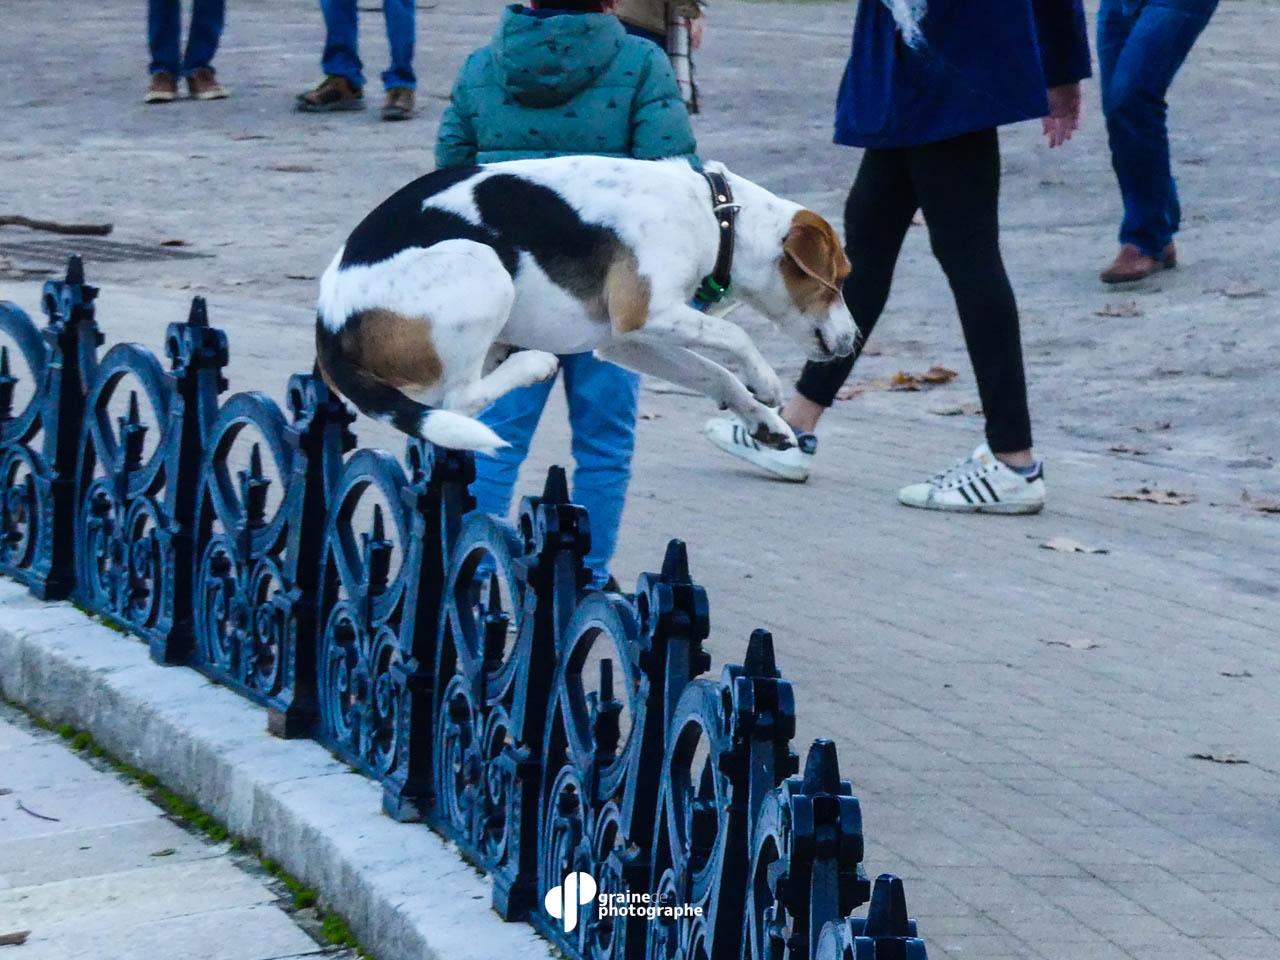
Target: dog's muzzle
column 842, row 347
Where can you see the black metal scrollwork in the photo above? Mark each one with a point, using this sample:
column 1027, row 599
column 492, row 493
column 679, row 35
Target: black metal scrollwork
column 571, row 742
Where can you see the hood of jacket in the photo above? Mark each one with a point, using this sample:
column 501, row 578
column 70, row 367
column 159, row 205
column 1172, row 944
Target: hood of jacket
column 545, row 61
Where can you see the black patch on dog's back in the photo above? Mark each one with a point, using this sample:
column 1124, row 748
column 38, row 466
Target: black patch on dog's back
column 400, row 222
column 575, row 254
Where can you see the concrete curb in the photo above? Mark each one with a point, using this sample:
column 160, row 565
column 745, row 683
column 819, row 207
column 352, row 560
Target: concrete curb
column 404, row 892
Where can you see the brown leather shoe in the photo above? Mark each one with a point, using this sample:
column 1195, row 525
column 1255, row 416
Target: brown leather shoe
column 163, row 88
column 203, row 84
column 399, row 105
column 334, row 93
column 1132, row 264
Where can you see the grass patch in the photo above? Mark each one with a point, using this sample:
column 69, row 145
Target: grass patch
column 333, row 928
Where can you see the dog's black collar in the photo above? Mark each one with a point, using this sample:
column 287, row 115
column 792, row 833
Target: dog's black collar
column 715, row 286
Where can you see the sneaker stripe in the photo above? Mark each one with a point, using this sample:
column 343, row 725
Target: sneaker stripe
column 990, row 490
column 965, row 493
column 973, row 487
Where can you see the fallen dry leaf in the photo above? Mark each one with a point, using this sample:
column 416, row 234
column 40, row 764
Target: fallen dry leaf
column 872, row 351
column 1076, row 644
column 249, row 136
column 1261, row 504
column 933, row 377
column 901, row 381
column 15, row 939
column 649, row 415
column 293, row 168
column 1218, row 758
column 299, row 276
column 1125, row 448
column 1067, row 545
column 917, row 218
column 166, row 852
column 1237, row 291
column 1130, row 309
column 173, row 243
column 1147, row 495
column 1154, row 426
column 959, row 410
column 1234, row 674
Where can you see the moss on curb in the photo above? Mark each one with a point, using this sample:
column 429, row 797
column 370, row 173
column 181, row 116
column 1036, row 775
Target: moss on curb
column 332, row 926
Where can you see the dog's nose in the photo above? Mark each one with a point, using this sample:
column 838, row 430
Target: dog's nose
column 844, row 345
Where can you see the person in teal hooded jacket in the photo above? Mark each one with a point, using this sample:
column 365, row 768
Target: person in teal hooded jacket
column 552, row 83
column 564, row 81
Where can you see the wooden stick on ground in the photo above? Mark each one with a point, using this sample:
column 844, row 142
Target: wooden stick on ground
column 77, row 229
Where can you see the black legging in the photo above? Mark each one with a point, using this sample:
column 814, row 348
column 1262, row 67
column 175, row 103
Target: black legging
column 956, row 183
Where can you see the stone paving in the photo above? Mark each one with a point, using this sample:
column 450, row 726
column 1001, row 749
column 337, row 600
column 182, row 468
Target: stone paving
column 1021, row 724
column 91, row 868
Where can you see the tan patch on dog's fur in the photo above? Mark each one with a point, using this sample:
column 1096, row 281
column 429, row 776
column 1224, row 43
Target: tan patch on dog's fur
column 396, row 349
column 814, row 264
column 626, row 294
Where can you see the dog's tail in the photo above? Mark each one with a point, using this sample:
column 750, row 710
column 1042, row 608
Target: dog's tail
column 381, row 400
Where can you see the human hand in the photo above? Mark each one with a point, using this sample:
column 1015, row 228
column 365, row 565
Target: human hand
column 1064, row 114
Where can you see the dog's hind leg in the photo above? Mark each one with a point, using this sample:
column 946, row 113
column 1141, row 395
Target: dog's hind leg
column 522, row 369
column 687, row 369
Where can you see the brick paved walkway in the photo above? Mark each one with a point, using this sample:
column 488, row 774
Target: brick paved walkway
column 1020, row 723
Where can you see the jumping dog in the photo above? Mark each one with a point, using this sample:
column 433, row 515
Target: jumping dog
column 467, row 282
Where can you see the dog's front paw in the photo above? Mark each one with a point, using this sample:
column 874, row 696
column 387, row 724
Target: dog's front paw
column 772, row 431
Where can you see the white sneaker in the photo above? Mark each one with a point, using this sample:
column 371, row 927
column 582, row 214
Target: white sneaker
column 791, row 464
column 978, row 484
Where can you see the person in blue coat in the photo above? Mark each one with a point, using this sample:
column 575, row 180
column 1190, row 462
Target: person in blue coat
column 925, row 89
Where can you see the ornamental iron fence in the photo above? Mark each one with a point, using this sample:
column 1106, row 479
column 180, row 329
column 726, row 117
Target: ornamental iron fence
column 568, row 740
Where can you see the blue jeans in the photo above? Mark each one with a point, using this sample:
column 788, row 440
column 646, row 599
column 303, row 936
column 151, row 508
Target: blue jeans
column 602, row 412
column 164, row 35
column 1141, row 45
column 340, row 42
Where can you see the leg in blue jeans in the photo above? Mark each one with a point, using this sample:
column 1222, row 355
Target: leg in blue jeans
column 1141, row 45
column 207, row 17
column 341, row 26
column 401, row 34
column 164, row 33
column 513, row 417
column 602, row 412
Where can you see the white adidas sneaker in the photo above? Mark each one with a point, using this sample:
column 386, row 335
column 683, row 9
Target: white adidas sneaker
column 980, row 483
column 791, row 464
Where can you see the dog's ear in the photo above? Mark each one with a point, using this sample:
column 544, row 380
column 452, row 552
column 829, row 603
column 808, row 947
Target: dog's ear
column 813, row 246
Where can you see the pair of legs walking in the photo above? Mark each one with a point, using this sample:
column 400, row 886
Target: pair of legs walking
column 341, row 54
column 1141, row 46
column 956, row 183
column 169, row 61
column 602, row 414
column 343, row 85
